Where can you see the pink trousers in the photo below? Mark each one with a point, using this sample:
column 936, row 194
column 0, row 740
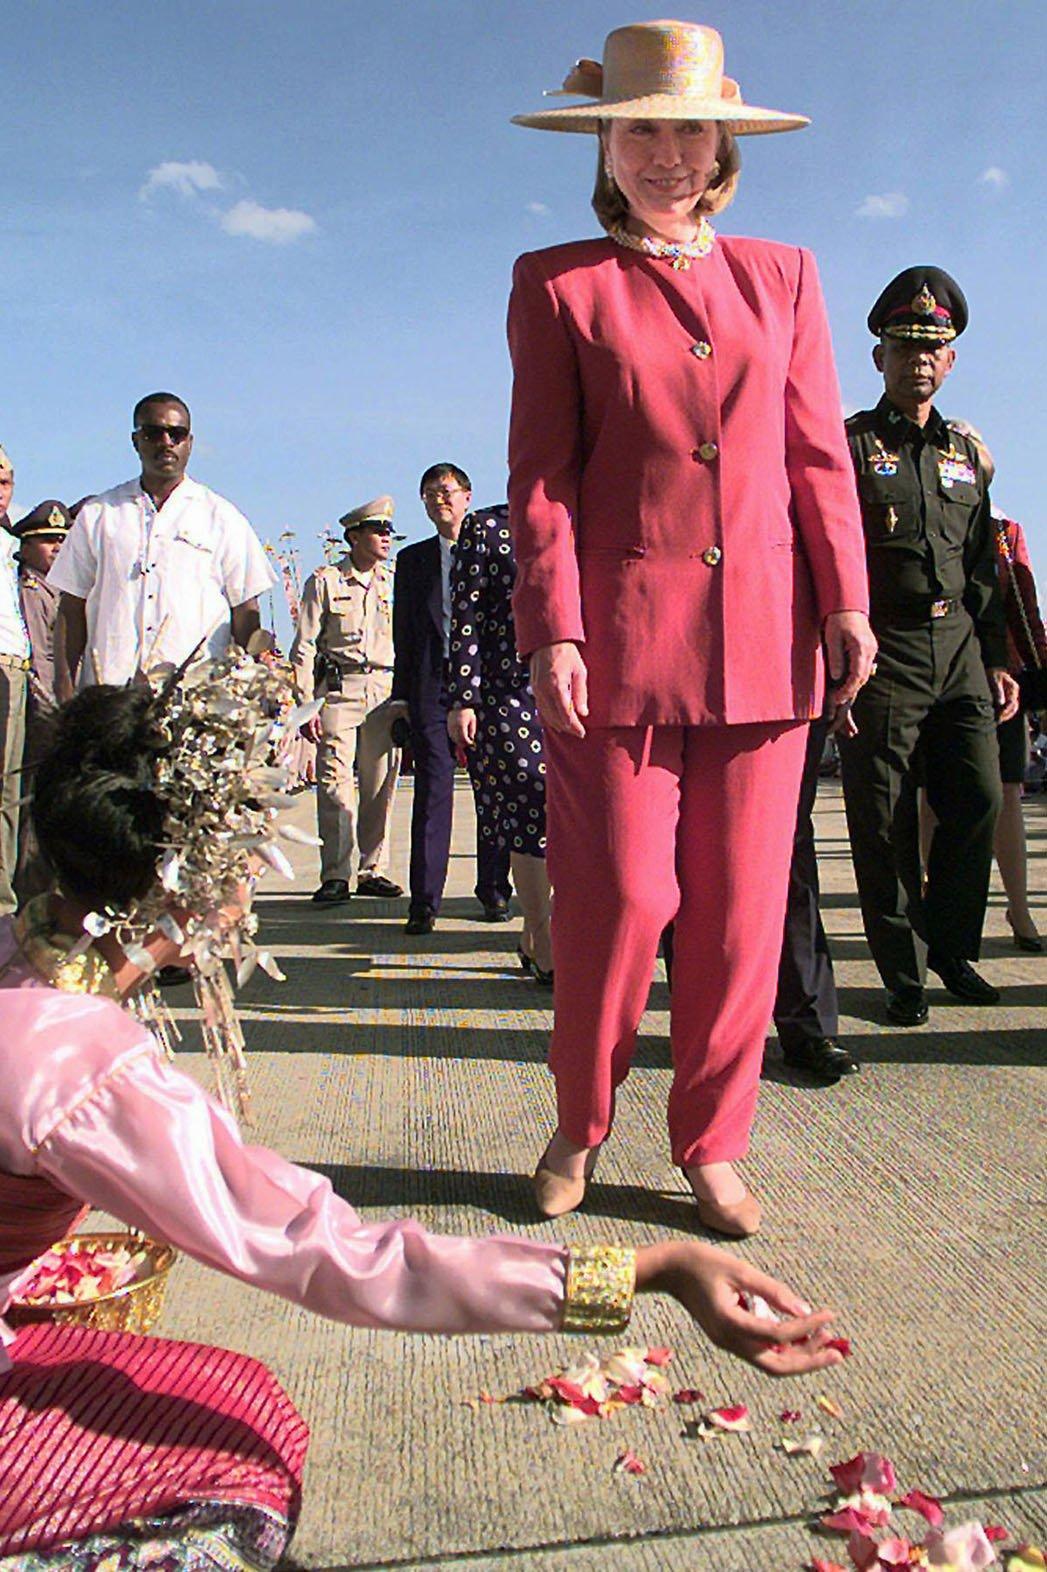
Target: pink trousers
column 647, row 824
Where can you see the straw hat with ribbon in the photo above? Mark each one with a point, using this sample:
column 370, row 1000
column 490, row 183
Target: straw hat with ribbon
column 658, row 71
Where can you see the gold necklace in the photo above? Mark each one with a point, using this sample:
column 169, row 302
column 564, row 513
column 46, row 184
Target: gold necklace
column 71, row 965
column 678, row 253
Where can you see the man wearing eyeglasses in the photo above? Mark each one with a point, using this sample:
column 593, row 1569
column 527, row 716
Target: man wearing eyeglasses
column 155, row 566
column 421, row 635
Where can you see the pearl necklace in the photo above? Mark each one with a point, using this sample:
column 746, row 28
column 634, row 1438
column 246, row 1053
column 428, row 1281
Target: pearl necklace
column 679, row 253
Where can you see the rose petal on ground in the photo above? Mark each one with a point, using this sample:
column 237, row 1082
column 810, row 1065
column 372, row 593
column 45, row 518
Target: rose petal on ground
column 1027, row 1558
column 853, row 1520
column 629, row 1395
column 628, row 1463
column 626, row 1368
column 828, row 1406
column 789, row 1416
column 573, row 1395
column 564, row 1414
column 736, row 1418
column 864, row 1471
column 809, row 1445
column 842, row 1345
column 962, row 1549
column 658, row 1356
column 817, row 1564
column 927, row 1506
column 895, row 1553
column 706, row 1432
column 688, row 1394
column 994, row 1532
column 863, row 1551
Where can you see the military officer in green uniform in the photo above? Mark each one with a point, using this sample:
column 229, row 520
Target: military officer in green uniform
column 343, row 652
column 940, row 683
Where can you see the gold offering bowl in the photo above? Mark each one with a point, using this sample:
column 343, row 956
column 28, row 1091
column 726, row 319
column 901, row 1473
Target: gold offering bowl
column 136, row 1307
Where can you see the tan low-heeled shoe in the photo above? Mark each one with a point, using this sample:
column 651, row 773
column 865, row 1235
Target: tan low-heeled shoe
column 734, row 1219
column 556, row 1194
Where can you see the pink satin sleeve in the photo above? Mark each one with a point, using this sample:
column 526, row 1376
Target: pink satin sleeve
column 150, row 1146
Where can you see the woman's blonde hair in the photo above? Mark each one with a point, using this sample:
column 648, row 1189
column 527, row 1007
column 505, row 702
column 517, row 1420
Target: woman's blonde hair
column 610, row 205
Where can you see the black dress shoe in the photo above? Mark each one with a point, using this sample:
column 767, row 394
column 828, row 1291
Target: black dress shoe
column 907, row 1009
column 961, row 979
column 332, row 893
column 421, row 919
column 173, row 976
column 822, row 1056
column 495, row 911
column 377, row 884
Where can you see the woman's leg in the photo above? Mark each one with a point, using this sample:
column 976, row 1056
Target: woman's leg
column 737, row 817
column 613, row 802
column 1009, row 848
column 531, row 878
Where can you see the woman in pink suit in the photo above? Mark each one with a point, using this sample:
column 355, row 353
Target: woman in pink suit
column 688, row 535
column 114, row 1447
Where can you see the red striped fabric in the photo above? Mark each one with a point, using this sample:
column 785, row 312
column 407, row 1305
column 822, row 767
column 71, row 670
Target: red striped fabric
column 100, row 1427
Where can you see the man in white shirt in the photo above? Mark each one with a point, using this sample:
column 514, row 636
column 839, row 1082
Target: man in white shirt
column 156, row 566
column 14, row 683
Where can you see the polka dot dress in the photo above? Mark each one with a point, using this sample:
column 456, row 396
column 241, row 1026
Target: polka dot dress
column 507, row 765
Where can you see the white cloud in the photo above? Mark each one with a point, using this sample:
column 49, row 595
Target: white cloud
column 994, row 176
column 539, row 209
column 187, row 179
column 889, row 204
column 278, row 226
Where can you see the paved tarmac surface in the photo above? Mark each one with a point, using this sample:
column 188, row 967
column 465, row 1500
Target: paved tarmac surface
column 909, row 1197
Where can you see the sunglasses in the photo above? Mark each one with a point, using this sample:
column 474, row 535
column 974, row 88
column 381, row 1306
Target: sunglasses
column 153, row 433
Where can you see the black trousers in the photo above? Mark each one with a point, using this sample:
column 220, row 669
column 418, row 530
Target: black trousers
column 805, row 1006
column 434, row 767
column 931, row 693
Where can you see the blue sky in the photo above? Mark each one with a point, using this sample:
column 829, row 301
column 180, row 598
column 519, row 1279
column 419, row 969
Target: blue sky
column 303, row 218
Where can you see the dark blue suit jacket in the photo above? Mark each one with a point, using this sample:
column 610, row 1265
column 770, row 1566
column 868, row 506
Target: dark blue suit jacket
column 418, row 667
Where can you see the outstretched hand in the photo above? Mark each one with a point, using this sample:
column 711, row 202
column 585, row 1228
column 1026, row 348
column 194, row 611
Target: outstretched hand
column 709, row 1283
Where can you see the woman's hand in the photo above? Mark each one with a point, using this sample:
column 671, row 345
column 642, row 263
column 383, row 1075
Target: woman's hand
column 560, row 685
column 850, row 646
column 461, row 727
column 313, row 730
column 708, row 1282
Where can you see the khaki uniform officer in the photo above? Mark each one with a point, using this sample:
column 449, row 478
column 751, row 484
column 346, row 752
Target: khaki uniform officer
column 40, row 535
column 343, row 653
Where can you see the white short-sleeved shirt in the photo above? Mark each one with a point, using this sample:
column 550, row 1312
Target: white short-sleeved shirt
column 157, row 582
column 14, row 640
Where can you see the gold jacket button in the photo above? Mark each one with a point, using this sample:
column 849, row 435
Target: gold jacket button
column 702, row 350
column 711, row 556
column 708, row 450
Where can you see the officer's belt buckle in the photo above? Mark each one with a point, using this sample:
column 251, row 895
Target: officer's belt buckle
column 940, row 608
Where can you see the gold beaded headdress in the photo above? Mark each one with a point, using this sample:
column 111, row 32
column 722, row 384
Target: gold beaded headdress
column 221, row 773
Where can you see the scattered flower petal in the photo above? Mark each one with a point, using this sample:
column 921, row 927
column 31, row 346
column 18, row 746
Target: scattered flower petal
column 789, row 1416
column 811, row 1445
column 995, row 1532
column 688, row 1394
column 927, row 1506
column 963, row 1549
column 628, row 1463
column 864, row 1471
column 828, row 1406
column 853, row 1520
column 658, row 1356
column 817, row 1564
column 736, row 1418
column 1027, row 1558
column 842, row 1345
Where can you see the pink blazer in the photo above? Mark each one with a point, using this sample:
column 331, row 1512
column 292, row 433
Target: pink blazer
column 681, row 494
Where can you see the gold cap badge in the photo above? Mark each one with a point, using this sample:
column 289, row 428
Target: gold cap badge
column 57, row 518
column 924, row 304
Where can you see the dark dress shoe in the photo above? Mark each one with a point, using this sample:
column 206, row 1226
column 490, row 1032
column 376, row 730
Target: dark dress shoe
column 377, row 884
column 495, row 911
column 333, row 892
column 822, row 1056
column 173, row 976
column 1030, row 943
column 907, row 1009
column 421, row 919
column 961, row 979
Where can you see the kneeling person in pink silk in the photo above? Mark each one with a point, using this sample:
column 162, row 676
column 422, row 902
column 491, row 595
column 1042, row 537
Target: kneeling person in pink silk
column 687, row 532
column 113, row 1444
